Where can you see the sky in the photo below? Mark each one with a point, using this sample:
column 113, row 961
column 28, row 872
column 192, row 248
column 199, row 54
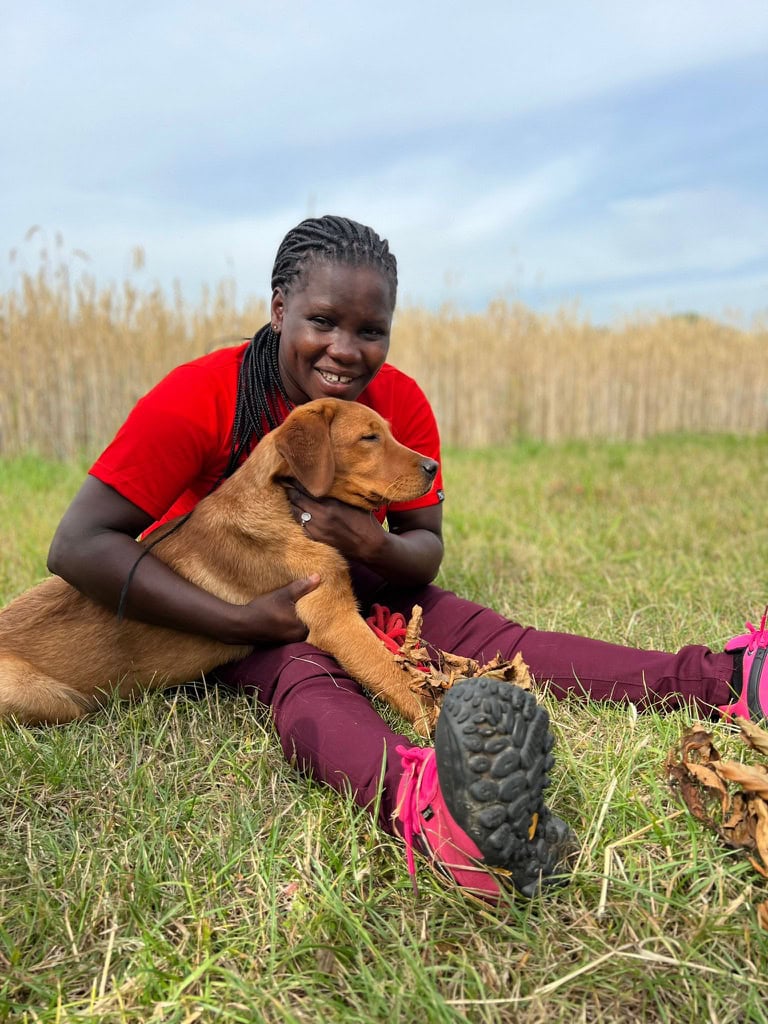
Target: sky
column 606, row 156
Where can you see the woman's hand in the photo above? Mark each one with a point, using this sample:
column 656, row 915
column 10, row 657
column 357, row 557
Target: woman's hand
column 271, row 618
column 408, row 553
column 357, row 534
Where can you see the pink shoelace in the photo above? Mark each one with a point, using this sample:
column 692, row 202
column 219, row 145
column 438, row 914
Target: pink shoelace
column 758, row 634
column 419, row 770
column 388, row 626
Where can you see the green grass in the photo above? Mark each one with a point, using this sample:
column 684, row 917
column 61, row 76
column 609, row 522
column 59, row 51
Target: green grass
column 161, row 862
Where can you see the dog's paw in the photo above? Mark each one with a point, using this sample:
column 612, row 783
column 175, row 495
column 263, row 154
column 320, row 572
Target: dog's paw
column 425, row 720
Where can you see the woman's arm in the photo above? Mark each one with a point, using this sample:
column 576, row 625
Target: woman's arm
column 412, row 551
column 94, row 550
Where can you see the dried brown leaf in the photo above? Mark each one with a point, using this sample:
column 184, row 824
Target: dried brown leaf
column 691, row 792
column 413, row 630
column 738, row 830
column 515, row 671
column 738, row 811
column 431, row 671
column 761, row 829
column 707, row 777
column 523, row 677
column 697, row 742
column 453, row 677
column 755, row 737
column 418, row 679
column 457, row 661
column 758, row 866
column 495, row 663
column 418, row 656
column 704, row 779
column 753, row 778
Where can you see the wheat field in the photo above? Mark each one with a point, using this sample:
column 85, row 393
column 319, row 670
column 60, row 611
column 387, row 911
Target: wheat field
column 76, row 355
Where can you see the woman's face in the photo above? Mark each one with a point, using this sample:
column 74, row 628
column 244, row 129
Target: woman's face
column 334, row 331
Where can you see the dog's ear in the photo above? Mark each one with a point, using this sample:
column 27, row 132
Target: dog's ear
column 304, row 441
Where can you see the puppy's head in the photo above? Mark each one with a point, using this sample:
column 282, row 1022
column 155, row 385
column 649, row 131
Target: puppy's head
column 346, row 451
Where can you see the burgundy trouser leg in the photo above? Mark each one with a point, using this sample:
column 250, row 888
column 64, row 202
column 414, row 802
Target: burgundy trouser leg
column 693, row 676
column 327, row 724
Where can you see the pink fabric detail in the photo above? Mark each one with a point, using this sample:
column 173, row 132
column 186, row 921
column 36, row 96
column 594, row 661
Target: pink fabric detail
column 754, row 639
column 390, row 628
column 756, row 636
column 739, row 709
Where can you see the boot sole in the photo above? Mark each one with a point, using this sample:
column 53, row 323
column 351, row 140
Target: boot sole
column 493, row 749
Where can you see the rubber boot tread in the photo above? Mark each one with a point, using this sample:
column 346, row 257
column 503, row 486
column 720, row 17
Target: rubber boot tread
column 493, row 748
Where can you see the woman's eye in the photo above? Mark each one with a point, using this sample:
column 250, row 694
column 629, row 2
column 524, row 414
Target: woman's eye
column 321, row 321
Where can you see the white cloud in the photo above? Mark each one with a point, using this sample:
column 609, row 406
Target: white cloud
column 712, row 228
column 517, row 201
column 672, row 233
column 321, row 71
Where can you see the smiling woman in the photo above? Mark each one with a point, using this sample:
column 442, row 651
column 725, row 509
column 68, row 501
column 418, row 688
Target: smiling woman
column 475, row 802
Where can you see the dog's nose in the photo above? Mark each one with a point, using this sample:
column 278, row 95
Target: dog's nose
column 430, row 468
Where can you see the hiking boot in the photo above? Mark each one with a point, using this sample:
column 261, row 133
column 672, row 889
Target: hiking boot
column 474, row 805
column 750, row 677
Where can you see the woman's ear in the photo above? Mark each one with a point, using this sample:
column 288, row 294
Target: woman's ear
column 277, row 309
column 304, row 441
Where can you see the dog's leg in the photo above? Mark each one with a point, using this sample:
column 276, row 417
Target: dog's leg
column 35, row 699
column 348, row 639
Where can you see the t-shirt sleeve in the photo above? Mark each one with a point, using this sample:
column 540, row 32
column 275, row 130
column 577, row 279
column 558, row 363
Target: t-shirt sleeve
column 414, row 424
column 169, row 442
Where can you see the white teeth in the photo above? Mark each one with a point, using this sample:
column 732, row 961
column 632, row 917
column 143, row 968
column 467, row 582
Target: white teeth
column 334, row 378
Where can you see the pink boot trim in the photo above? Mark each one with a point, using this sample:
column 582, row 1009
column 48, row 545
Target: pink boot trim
column 426, row 824
column 752, row 702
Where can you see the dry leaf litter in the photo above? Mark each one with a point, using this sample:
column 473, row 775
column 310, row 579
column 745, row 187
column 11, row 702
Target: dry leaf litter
column 729, row 797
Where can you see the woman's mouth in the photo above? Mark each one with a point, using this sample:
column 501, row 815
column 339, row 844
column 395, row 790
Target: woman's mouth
column 335, row 378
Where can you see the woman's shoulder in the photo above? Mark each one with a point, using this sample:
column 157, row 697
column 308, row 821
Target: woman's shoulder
column 391, row 385
column 205, row 381
column 220, row 362
column 176, row 438
column 401, row 401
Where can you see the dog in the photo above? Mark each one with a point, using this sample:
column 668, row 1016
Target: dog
column 62, row 655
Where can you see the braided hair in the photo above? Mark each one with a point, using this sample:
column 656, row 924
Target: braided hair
column 259, row 386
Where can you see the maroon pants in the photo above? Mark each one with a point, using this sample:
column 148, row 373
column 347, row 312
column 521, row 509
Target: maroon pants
column 327, row 724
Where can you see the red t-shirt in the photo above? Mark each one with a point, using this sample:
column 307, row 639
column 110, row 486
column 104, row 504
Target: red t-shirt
column 175, row 444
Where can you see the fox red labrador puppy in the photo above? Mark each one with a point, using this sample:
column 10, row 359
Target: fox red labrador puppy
column 62, row 655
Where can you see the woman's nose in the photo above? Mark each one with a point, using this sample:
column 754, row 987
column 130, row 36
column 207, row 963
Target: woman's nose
column 342, row 345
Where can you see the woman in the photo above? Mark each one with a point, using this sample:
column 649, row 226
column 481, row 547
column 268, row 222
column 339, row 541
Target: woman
column 474, row 804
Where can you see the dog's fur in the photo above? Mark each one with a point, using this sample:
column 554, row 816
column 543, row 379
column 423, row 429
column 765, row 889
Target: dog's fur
column 61, row 655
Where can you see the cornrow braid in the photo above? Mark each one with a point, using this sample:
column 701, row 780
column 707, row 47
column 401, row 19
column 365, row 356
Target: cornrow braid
column 259, row 385
column 335, row 240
